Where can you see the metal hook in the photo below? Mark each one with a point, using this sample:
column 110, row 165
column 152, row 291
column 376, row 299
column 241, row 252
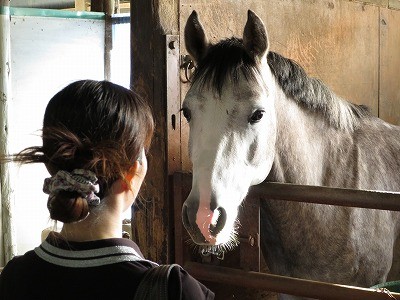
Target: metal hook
column 187, row 64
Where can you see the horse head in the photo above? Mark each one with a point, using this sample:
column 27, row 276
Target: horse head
column 230, row 111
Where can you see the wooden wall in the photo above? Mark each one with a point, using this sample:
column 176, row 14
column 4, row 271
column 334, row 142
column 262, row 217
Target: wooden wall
column 353, row 47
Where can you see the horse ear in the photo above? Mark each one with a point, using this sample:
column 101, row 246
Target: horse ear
column 196, row 41
column 255, row 38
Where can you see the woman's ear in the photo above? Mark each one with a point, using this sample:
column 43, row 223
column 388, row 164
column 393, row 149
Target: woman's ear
column 138, row 170
column 133, row 178
column 132, row 171
column 126, row 182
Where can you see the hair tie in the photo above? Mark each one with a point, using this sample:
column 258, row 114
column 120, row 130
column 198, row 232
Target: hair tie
column 81, row 181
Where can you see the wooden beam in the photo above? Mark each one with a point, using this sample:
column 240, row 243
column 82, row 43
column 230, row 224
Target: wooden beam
column 327, row 195
column 106, row 6
column 152, row 222
column 383, row 3
column 285, row 285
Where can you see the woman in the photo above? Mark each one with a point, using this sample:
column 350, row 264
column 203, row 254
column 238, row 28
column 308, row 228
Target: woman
column 95, row 135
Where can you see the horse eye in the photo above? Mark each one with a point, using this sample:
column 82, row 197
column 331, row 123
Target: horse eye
column 256, row 116
column 187, row 114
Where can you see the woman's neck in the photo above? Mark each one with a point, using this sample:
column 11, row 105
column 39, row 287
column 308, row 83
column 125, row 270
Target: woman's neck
column 103, row 222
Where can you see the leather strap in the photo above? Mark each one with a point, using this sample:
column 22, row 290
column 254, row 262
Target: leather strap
column 154, row 285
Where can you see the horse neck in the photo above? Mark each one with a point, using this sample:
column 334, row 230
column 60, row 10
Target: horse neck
column 302, row 139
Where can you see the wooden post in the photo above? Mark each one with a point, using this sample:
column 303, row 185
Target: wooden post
column 80, row 5
column 153, row 45
column 287, row 285
column 106, row 6
column 7, row 232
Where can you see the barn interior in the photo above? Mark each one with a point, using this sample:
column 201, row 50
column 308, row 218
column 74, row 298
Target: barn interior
column 350, row 45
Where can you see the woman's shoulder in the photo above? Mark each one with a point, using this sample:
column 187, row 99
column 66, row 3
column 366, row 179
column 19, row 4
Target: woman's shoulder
column 20, row 261
column 20, row 264
column 181, row 282
column 11, row 273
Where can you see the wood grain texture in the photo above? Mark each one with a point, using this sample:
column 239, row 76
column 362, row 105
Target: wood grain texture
column 389, row 92
column 395, row 4
column 151, row 222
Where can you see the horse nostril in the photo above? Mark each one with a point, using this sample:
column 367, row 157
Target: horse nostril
column 218, row 221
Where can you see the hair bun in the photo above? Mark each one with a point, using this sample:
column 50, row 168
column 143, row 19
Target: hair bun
column 68, row 207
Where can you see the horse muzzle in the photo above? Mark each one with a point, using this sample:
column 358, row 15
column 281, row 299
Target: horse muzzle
column 202, row 224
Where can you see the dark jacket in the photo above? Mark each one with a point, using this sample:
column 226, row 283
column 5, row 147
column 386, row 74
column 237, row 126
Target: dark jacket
column 103, row 269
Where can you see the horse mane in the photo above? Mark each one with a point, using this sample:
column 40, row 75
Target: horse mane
column 229, row 59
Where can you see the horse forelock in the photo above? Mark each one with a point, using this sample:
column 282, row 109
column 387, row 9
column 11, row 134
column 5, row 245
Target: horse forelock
column 228, row 60
column 313, row 94
column 225, row 60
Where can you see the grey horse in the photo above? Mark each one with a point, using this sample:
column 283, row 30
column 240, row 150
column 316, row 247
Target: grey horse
column 255, row 115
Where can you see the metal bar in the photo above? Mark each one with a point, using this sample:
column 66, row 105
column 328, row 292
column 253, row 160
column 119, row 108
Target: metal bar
column 327, row 195
column 283, row 284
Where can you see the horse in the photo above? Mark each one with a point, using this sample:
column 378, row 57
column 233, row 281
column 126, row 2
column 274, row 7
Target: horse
column 254, row 115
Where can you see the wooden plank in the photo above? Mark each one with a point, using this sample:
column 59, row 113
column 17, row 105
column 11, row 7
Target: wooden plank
column 338, row 44
column 80, row 5
column 394, row 4
column 383, row 3
column 327, row 195
column 286, row 285
column 125, row 6
column 389, row 95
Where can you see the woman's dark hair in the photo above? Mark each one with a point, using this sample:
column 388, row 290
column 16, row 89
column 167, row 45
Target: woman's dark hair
column 93, row 125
